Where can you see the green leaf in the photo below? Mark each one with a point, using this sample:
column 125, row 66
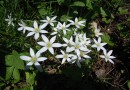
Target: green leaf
column 106, row 38
column 16, row 75
column 89, row 4
column 2, row 84
column 30, row 78
column 60, row 1
column 128, row 84
column 122, row 11
column 43, row 11
column 64, row 18
column 106, row 20
column 9, row 72
column 14, row 60
column 128, row 19
column 78, row 3
column 103, row 13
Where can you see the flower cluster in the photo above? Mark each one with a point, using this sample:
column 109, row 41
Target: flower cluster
column 74, row 46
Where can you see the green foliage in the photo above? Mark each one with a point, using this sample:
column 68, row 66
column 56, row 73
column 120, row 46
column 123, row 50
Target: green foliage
column 128, row 84
column 113, row 14
column 14, row 61
column 30, row 78
column 78, row 3
column 60, row 1
column 9, row 72
column 14, row 64
column 106, row 38
column 89, row 4
column 122, row 11
column 103, row 13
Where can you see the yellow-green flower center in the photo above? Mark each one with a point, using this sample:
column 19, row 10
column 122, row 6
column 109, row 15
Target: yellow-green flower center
column 49, row 44
column 37, row 30
column 77, row 46
column 63, row 27
column 76, row 23
column 96, row 32
column 34, row 59
column 98, row 44
column 107, row 56
column 49, row 21
column 66, row 56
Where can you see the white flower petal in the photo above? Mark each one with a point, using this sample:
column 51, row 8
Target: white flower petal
column 110, row 61
column 53, row 39
column 30, row 64
column 20, row 28
column 110, row 52
column 102, row 56
column 70, row 49
column 77, row 52
column 45, row 38
column 53, row 18
column 68, row 59
column 38, row 54
column 99, row 39
column 29, row 28
column 41, row 43
column 56, row 45
column 59, row 56
column 43, row 26
column 36, row 36
column 25, row 58
column 43, row 31
column 35, row 24
column 112, row 57
column 41, row 59
column 62, row 51
column 53, row 33
column 30, row 34
column 66, row 40
column 63, row 61
column 51, row 50
column 32, row 52
column 52, row 24
column 86, row 56
column 42, row 49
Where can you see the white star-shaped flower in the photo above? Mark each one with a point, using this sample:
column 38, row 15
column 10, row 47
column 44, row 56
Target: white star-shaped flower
column 77, row 46
column 65, row 56
column 10, row 20
column 77, row 23
column 86, row 41
column 49, row 20
column 36, row 30
column 97, row 32
column 55, row 30
column 22, row 26
column 98, row 44
column 84, row 54
column 68, row 42
column 63, row 27
column 107, row 56
column 48, row 44
column 34, row 59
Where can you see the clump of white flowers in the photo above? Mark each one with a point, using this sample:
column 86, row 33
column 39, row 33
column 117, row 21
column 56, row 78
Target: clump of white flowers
column 53, row 35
